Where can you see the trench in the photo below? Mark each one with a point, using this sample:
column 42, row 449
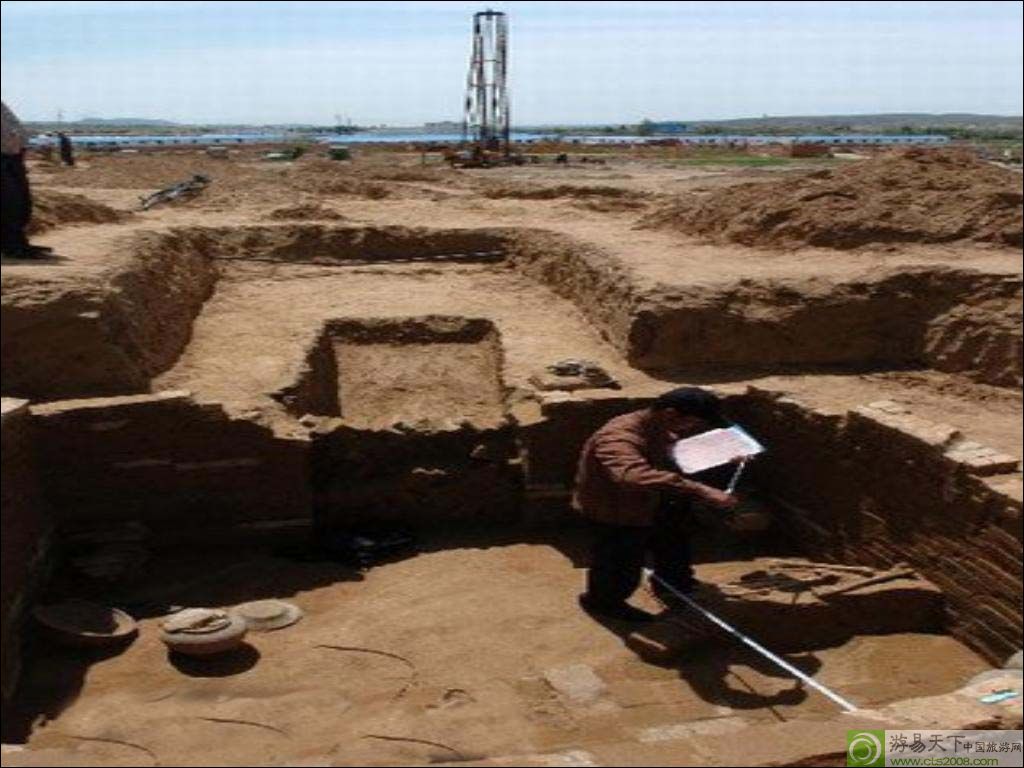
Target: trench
column 422, row 415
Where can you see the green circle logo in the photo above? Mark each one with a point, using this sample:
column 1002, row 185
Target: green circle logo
column 864, row 748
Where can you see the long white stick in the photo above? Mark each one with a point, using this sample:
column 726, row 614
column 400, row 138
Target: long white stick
column 803, row 676
column 736, row 476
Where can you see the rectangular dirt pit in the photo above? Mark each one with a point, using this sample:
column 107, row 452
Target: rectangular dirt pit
column 436, row 369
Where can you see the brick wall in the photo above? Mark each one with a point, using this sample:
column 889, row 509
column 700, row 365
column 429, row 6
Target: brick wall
column 25, row 531
column 879, row 486
column 169, row 462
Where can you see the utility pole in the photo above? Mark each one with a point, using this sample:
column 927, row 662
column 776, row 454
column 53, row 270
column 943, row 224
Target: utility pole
column 486, row 121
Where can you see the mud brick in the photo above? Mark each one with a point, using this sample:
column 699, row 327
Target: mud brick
column 982, row 461
column 872, row 524
column 879, row 554
column 26, row 531
column 953, row 589
column 1004, row 557
column 110, row 408
column 1008, row 489
column 990, row 641
column 1003, row 540
column 995, row 615
column 888, row 407
column 1003, row 582
column 986, row 642
column 965, row 577
column 931, row 434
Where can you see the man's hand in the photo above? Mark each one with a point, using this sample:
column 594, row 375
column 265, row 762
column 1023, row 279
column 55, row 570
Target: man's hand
column 718, row 499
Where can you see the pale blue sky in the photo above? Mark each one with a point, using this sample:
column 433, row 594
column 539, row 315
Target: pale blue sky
column 571, row 62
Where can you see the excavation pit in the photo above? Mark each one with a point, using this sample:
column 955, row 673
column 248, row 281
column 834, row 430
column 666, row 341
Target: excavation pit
column 378, row 373
column 248, row 384
column 427, row 650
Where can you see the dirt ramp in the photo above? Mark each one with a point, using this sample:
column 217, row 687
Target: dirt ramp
column 915, row 196
column 55, row 209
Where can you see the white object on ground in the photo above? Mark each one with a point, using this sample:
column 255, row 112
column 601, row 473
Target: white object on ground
column 577, row 682
column 713, row 449
column 267, row 615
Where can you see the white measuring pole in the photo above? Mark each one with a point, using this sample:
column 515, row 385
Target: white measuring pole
column 731, row 488
column 803, row 676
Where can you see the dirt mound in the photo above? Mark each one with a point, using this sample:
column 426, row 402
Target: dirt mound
column 412, row 174
column 234, row 181
column 141, row 171
column 326, row 177
column 54, row 209
column 306, row 212
column 573, row 191
column 918, row 195
column 611, row 204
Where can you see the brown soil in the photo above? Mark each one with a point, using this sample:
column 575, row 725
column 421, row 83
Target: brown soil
column 52, row 209
column 442, row 656
column 916, row 196
column 435, row 370
column 307, row 212
column 447, row 656
column 242, row 177
column 328, row 177
column 522, row 192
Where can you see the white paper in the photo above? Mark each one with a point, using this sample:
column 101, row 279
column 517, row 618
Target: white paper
column 713, row 449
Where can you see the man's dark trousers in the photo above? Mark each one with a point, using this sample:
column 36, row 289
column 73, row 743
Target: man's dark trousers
column 16, row 204
column 620, row 553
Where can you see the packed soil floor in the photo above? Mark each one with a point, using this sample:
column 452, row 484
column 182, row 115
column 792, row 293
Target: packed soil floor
column 448, row 656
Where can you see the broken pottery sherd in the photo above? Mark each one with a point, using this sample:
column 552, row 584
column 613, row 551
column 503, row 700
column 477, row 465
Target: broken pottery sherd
column 268, row 615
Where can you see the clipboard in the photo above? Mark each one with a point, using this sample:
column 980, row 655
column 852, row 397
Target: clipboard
column 714, row 449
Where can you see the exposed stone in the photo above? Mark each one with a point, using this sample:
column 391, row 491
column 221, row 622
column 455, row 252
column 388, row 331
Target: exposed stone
column 577, row 682
column 888, row 406
column 981, row 460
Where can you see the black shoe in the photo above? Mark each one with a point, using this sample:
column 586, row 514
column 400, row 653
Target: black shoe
column 29, row 252
column 615, row 611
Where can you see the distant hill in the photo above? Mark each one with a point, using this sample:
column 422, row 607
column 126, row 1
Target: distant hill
column 122, row 121
column 879, row 121
column 954, row 124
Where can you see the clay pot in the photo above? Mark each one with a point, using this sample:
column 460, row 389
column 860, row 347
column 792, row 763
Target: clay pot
column 79, row 623
column 203, row 631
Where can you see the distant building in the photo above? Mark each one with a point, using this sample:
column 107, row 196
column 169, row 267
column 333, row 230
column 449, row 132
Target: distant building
column 668, row 127
column 443, row 126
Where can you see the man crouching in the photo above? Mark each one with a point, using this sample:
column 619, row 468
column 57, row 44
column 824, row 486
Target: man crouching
column 626, row 483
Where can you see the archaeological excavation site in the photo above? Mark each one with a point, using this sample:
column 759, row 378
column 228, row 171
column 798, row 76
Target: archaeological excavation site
column 325, row 418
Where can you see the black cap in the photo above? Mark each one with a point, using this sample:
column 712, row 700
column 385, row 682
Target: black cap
column 691, row 401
